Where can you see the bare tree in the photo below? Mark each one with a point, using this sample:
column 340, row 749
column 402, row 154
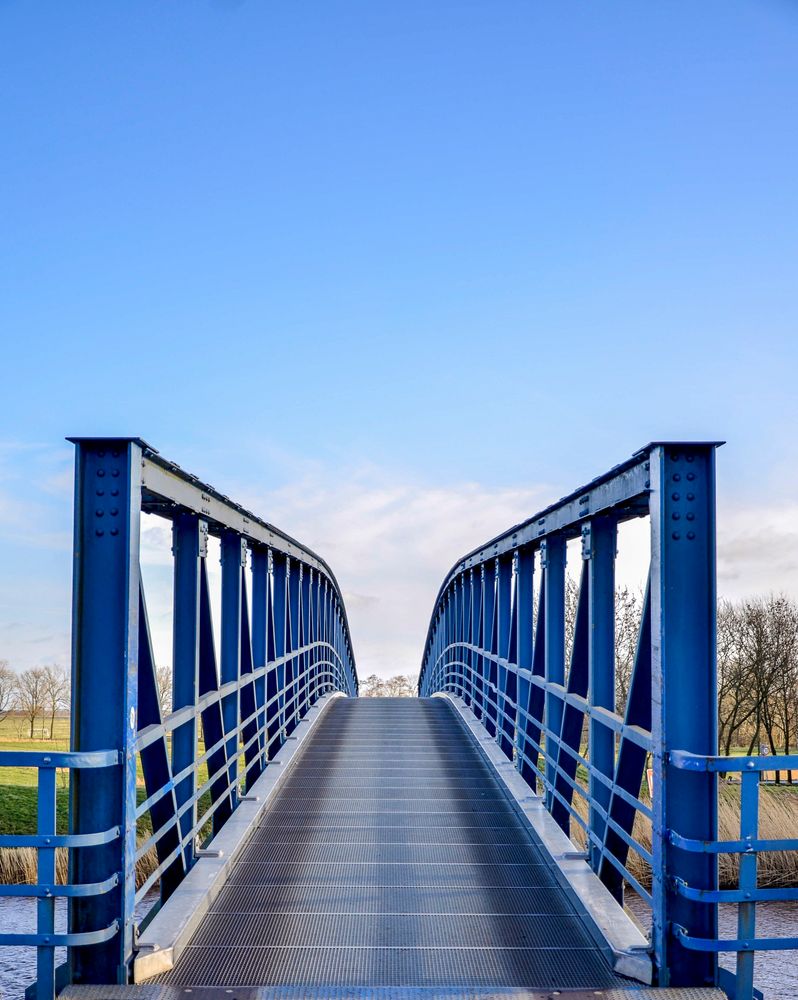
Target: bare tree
column 8, row 683
column 400, row 686
column 163, row 679
column 737, row 702
column 628, row 616
column 372, row 687
column 571, row 603
column 56, row 692
column 30, row 694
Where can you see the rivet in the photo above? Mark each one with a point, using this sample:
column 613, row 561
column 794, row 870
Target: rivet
column 101, row 473
column 100, row 493
column 691, row 458
column 675, row 496
column 115, row 454
column 691, row 496
column 114, row 511
column 676, row 477
column 114, row 493
column 99, row 512
column 99, row 532
column 691, row 476
column 101, row 454
column 114, row 531
column 115, row 473
column 691, row 516
column 676, row 536
column 691, row 535
column 676, row 515
column 675, row 457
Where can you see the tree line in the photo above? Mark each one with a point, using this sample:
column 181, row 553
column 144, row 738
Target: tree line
column 757, row 652
column 36, row 693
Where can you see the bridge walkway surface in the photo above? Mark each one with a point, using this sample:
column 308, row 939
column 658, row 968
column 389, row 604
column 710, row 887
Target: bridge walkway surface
column 390, row 858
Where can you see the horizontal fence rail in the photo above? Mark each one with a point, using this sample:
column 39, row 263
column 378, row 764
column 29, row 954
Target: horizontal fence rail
column 500, row 644
column 151, row 785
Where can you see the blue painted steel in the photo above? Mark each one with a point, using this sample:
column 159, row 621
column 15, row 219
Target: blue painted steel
column 46, row 890
column 274, row 665
column 670, row 715
column 105, row 655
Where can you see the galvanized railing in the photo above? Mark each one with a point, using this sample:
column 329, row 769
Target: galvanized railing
column 155, row 783
column 502, row 649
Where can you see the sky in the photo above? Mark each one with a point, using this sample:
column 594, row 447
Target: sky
column 394, row 275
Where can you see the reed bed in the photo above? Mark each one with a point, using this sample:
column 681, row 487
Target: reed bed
column 778, row 820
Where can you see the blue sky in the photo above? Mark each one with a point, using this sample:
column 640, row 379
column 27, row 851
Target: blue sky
column 339, row 257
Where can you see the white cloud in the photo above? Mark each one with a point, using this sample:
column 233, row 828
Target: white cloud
column 390, row 541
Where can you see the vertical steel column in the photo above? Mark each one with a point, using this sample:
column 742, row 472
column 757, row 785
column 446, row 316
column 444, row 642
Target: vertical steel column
column 260, row 624
column 234, row 559
column 489, row 671
column 105, row 630
column 46, row 812
column 277, row 677
column 505, row 678
column 552, row 552
column 189, row 545
column 524, row 599
column 599, row 539
column 684, row 700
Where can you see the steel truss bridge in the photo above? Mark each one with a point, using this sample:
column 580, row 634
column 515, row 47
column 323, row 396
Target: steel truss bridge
column 472, row 842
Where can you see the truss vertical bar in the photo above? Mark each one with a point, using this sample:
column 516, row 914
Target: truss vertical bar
column 553, row 563
column 234, row 550
column 45, row 905
column 599, row 541
column 684, row 700
column 189, row 545
column 506, row 678
column 105, row 608
column 260, row 624
column 524, row 600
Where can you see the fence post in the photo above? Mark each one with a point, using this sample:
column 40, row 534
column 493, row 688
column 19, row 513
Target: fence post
column 684, row 700
column 105, row 630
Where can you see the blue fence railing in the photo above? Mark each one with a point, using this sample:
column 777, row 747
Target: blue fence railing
column 46, row 842
column 500, row 645
column 151, row 783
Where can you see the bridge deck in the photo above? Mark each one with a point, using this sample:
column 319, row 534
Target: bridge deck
column 391, row 857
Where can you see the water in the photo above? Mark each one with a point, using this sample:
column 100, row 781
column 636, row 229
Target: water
column 18, row 916
column 775, row 972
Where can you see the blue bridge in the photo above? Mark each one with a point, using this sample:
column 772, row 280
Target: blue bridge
column 475, row 841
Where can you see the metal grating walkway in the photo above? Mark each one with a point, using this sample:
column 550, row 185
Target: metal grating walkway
column 391, row 858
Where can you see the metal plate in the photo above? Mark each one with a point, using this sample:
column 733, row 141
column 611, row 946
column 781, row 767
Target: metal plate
column 392, row 858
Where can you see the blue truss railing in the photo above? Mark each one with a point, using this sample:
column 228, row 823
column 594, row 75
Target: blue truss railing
column 502, row 649
column 46, row 841
column 229, row 718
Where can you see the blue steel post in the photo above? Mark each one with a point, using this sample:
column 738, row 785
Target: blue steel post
column 599, row 539
column 506, row 693
column 489, row 679
column 234, row 559
column 553, row 564
column 524, row 598
column 684, row 700
column 260, row 585
column 105, row 631
column 189, row 544
column 45, row 872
